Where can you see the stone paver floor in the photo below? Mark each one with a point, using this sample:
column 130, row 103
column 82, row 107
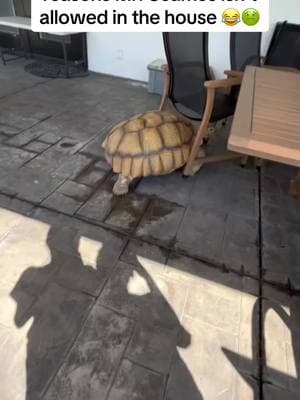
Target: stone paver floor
column 185, row 288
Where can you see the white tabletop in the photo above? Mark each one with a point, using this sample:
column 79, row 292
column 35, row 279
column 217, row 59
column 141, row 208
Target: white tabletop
column 25, row 23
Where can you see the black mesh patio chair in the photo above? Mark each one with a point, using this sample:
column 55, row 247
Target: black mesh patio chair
column 244, row 50
column 190, row 86
column 284, row 49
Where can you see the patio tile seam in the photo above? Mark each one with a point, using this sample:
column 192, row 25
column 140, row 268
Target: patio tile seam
column 76, row 214
column 139, row 364
column 31, row 159
column 126, row 231
column 117, row 368
column 30, row 127
column 261, row 336
column 25, row 89
column 129, row 236
column 68, row 351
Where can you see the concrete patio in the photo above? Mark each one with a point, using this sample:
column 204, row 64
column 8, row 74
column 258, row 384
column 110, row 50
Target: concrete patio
column 185, row 288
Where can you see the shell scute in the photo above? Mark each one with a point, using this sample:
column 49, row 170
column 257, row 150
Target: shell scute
column 152, row 143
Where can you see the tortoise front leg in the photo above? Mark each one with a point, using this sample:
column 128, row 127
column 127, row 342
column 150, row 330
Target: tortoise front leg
column 122, row 185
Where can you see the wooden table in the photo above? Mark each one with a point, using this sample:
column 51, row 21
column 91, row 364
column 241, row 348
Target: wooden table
column 266, row 123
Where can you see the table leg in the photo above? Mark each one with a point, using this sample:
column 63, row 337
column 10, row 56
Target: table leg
column 294, row 189
column 65, row 53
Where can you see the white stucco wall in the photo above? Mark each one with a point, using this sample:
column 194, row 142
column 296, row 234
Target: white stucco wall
column 128, row 54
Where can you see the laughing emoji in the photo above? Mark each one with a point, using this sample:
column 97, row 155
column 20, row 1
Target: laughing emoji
column 231, row 17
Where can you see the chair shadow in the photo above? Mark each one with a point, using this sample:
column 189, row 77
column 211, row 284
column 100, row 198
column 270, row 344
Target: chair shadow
column 43, row 340
column 243, row 364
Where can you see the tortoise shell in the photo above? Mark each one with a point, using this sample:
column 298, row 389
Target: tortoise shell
column 153, row 143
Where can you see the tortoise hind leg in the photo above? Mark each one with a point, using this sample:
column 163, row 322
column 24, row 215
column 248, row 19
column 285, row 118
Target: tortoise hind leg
column 122, row 185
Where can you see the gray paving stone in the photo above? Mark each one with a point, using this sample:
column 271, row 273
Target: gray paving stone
column 3, row 137
column 137, row 252
column 193, row 373
column 94, row 147
column 58, row 154
column 209, row 290
column 142, row 294
column 73, row 166
column 59, row 164
column 240, row 245
column 201, row 233
column 21, row 294
column 57, row 317
column 12, row 355
column 282, row 346
column 281, row 254
column 100, row 203
column 11, row 157
column 50, row 137
column 94, row 358
column 16, row 117
column 166, row 187
column 136, row 382
column 272, row 392
column 213, row 312
column 281, row 173
column 8, row 181
column 69, row 145
column 76, row 124
column 15, row 79
column 185, row 269
column 127, row 212
column 34, row 186
column 102, row 164
column 8, row 219
column 92, row 176
column 36, row 146
column 25, row 137
column 85, row 255
column 25, row 255
column 75, row 190
column 153, row 348
column 181, row 384
column 4, row 201
column 246, row 388
column 161, row 222
column 16, row 205
column 216, row 188
column 61, row 203
column 8, row 130
column 76, row 274
column 278, row 207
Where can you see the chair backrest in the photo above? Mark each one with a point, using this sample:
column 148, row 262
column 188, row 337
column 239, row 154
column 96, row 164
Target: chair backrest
column 284, row 49
column 187, row 56
column 244, row 49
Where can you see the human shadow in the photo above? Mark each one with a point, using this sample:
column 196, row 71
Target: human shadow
column 61, row 304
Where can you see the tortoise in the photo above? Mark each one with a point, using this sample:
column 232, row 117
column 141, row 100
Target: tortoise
column 152, row 143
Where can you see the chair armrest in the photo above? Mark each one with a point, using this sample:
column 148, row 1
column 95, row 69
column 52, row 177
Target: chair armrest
column 234, row 74
column 165, row 68
column 223, row 83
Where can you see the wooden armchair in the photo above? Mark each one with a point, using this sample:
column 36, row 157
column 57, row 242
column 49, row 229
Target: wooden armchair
column 194, row 164
column 189, row 86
